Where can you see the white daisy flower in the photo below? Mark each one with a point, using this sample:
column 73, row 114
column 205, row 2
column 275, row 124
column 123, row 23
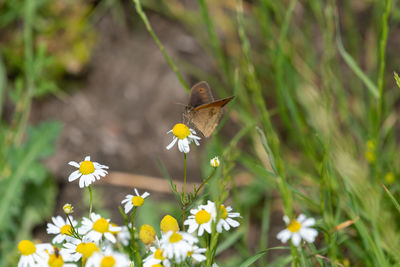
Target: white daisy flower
column 201, row 218
column 110, row 258
column 214, row 162
column 31, row 254
column 78, row 249
column 62, row 228
column 177, row 245
column 184, row 136
column 226, row 220
column 88, row 172
column 96, row 227
column 131, row 201
column 156, row 258
column 298, row 229
column 57, row 258
column 197, row 253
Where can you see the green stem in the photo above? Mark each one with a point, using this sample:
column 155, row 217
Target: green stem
column 90, row 200
column 143, row 16
column 184, row 176
column 184, row 199
column 132, row 231
column 205, row 181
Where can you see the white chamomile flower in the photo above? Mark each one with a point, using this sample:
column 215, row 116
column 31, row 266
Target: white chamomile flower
column 214, row 162
column 177, row 245
column 184, row 136
column 131, row 201
column 156, row 258
column 226, row 220
column 298, row 229
column 96, row 227
column 57, row 258
column 88, row 172
column 110, row 258
column 78, row 249
column 197, row 253
column 201, row 218
column 62, row 228
column 31, row 254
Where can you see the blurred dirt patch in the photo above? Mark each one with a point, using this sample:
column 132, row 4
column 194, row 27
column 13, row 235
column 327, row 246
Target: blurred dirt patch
column 120, row 113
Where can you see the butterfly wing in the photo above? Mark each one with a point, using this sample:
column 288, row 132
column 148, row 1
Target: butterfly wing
column 200, row 94
column 206, row 119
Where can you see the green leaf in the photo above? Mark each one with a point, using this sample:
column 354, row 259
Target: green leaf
column 40, row 144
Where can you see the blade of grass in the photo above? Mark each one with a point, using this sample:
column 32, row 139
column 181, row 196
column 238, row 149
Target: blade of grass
column 174, row 68
column 258, row 255
column 353, row 64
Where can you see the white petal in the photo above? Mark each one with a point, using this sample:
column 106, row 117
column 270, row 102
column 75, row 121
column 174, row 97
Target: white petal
column 110, row 237
column 232, row 223
column 172, row 143
column 81, row 182
column 87, row 158
column 309, row 222
column 145, row 194
column 286, row 219
column 301, row 218
column 75, row 175
column 308, row 234
column 284, row 235
column 296, row 239
column 207, row 227
column 73, row 163
column 192, row 227
column 219, row 227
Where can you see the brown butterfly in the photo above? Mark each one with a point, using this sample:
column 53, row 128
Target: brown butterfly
column 203, row 110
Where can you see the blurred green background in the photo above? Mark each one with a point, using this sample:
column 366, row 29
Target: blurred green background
column 313, row 128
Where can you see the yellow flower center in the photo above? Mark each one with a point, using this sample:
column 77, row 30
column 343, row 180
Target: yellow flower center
column 223, row 211
column 137, row 201
column 156, row 265
column 169, row 223
column 87, row 167
column 87, row 249
column 107, row 261
column 175, row 237
column 190, row 253
column 202, row 217
column 147, row 234
column 294, row 226
column 55, row 260
column 101, row 225
column 26, row 247
column 181, row 131
column 66, row 229
column 159, row 254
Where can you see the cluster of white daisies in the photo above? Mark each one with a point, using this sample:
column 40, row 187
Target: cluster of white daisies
column 95, row 241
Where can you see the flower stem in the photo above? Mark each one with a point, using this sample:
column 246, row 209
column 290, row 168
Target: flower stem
column 132, row 230
column 90, row 200
column 184, row 175
column 184, row 198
